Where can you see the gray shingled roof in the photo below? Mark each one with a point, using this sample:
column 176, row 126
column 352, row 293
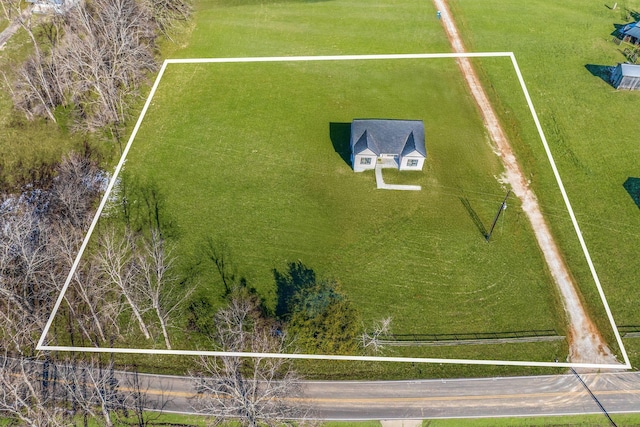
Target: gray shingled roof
column 366, row 141
column 384, row 136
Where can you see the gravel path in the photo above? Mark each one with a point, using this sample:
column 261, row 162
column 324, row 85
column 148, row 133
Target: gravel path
column 585, row 342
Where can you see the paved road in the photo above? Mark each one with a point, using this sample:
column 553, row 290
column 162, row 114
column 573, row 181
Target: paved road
column 492, row 397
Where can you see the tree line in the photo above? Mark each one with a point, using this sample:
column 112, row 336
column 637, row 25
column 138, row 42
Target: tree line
column 92, row 60
column 126, row 282
column 91, row 63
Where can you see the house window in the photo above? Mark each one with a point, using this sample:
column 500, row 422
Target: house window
column 412, row 162
column 365, row 160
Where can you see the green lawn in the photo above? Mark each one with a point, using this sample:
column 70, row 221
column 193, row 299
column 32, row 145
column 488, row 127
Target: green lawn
column 559, row 421
column 246, row 156
column 239, row 28
column 595, row 420
column 589, row 127
column 243, row 153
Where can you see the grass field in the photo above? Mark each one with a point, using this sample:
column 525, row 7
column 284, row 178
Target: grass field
column 560, row 421
column 254, row 160
column 595, row 420
column 586, row 122
column 305, row 203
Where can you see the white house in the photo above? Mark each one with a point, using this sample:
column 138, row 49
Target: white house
column 397, row 143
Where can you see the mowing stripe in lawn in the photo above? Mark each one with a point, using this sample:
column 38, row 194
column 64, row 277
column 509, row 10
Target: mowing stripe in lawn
column 41, row 342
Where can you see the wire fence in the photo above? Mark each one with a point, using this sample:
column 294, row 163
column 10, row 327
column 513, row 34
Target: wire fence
column 531, row 335
column 629, row 331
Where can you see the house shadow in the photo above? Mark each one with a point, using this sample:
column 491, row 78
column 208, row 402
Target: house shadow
column 340, row 134
column 632, row 185
column 601, row 71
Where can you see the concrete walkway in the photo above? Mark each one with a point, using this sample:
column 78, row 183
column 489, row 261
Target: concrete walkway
column 381, row 184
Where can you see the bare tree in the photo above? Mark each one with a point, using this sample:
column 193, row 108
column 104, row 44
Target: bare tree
column 25, row 285
column 157, row 282
column 93, row 388
column 94, row 306
column 252, row 390
column 372, row 340
column 95, row 59
column 77, row 184
column 38, row 241
column 166, row 13
column 115, row 259
column 105, row 54
column 146, row 410
column 37, row 91
column 40, row 231
column 21, row 395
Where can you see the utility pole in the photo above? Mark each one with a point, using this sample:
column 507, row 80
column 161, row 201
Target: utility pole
column 503, row 206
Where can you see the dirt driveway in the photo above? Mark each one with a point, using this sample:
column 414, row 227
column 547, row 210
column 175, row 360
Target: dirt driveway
column 585, row 342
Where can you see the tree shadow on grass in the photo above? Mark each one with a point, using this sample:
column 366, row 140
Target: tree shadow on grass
column 474, row 216
column 297, row 277
column 632, row 185
column 142, row 205
column 340, row 134
column 601, row 71
column 634, row 14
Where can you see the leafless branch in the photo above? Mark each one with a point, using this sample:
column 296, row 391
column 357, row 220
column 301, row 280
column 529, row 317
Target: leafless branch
column 255, row 391
column 372, row 340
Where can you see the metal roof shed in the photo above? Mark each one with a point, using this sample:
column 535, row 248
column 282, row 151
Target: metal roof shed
column 626, row 76
column 631, row 32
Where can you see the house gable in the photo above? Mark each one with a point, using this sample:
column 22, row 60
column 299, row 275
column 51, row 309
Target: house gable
column 366, row 144
column 412, row 149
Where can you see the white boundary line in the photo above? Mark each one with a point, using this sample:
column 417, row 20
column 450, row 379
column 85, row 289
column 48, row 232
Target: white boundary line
column 330, row 357
column 574, row 220
column 43, row 347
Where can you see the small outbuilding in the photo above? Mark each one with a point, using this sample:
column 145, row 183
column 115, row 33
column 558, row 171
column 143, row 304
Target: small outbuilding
column 631, row 33
column 626, row 76
column 394, row 143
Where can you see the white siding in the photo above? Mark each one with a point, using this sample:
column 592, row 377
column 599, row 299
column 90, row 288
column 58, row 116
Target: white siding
column 358, row 165
column 404, row 163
